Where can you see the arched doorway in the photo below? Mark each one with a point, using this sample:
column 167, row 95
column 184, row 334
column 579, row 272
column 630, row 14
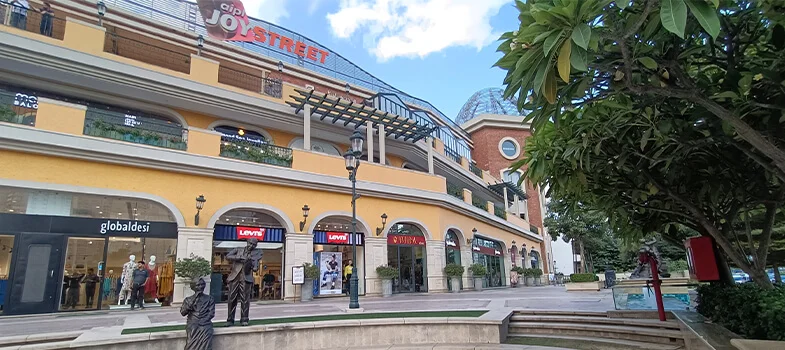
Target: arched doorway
column 535, row 259
column 231, row 230
column 332, row 253
column 406, row 252
column 490, row 254
column 452, row 250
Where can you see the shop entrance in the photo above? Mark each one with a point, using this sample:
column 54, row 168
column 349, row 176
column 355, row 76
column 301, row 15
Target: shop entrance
column 489, row 253
column 406, row 252
column 36, row 274
column 332, row 250
column 452, row 249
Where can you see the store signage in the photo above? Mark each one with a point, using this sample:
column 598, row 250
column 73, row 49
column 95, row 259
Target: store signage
column 251, row 232
column 487, row 251
column 405, row 240
column 227, row 20
column 123, row 226
column 450, row 242
column 130, row 120
column 26, row 101
column 338, row 237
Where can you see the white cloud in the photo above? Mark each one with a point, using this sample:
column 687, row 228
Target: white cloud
column 416, row 28
column 268, row 10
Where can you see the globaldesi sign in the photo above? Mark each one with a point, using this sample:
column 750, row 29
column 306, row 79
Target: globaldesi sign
column 226, row 20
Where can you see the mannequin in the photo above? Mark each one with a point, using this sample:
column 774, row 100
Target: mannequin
column 151, row 288
column 126, row 278
column 106, row 287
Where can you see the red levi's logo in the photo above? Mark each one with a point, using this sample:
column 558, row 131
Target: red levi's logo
column 338, row 237
column 250, row 232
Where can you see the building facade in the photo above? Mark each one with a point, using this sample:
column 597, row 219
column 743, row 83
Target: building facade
column 133, row 136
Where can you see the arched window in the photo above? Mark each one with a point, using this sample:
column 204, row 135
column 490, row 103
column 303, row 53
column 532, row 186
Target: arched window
column 406, row 229
column 316, row 146
column 535, row 259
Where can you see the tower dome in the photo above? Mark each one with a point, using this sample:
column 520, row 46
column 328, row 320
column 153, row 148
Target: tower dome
column 487, row 101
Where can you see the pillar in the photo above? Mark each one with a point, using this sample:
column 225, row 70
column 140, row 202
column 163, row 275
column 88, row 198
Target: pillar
column 436, row 260
column 369, row 136
column 382, row 149
column 196, row 241
column 467, row 260
column 59, row 116
column 506, row 200
column 429, row 141
column 299, row 250
column 204, row 142
column 467, row 196
column 491, row 208
column 375, row 255
column 307, row 127
column 517, row 205
column 84, row 37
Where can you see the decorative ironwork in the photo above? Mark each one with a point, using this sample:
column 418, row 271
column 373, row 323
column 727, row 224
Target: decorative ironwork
column 487, row 101
column 477, row 171
column 259, row 153
column 273, row 87
column 339, row 109
column 134, row 128
column 147, row 53
column 455, row 191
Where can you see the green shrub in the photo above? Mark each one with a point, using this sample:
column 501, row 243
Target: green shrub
column 583, row 277
column 387, row 272
column 478, row 270
column 677, row 266
column 192, row 268
column 311, row 271
column 745, row 309
column 536, row 273
column 453, row 270
column 519, row 270
column 527, row 272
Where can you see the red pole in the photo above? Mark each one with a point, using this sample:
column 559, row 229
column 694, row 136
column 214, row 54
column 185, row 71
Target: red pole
column 657, row 290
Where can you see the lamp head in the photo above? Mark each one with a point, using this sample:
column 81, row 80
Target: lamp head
column 351, row 160
column 200, row 41
column 384, row 219
column 200, row 202
column 280, row 66
column 357, row 140
column 101, row 8
column 306, row 210
column 348, row 88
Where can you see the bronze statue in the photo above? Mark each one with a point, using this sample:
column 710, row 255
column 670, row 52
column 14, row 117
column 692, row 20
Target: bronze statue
column 200, row 309
column 244, row 262
column 643, row 270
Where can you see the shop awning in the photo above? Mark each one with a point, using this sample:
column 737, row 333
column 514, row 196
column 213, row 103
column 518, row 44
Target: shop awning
column 511, row 188
column 348, row 112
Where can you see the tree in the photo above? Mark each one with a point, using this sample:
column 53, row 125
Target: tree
column 723, row 58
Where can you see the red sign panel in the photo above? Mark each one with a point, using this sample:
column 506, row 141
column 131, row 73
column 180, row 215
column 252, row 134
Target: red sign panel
column 405, row 240
column 486, row 251
column 338, row 237
column 250, row 232
column 227, row 20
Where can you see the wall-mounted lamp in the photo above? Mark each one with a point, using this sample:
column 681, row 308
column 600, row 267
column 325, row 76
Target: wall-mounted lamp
column 199, row 44
column 199, row 205
column 379, row 230
column 470, row 240
column 348, row 88
column 305, row 217
column 280, row 67
column 101, row 12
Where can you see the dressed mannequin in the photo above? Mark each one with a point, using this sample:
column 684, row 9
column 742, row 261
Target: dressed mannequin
column 126, row 278
column 106, row 286
column 151, row 288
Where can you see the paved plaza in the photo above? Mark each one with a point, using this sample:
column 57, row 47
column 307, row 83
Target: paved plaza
column 534, row 298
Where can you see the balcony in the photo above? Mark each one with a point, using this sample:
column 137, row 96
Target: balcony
column 474, row 169
column 132, row 128
column 250, row 80
column 257, row 153
column 452, row 155
column 455, row 191
column 33, row 22
column 479, row 203
column 498, row 210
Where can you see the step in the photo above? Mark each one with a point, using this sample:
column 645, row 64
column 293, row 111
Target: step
column 561, row 313
column 619, row 342
column 597, row 320
column 665, row 336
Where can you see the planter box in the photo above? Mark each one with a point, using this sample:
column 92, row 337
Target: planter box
column 584, row 286
column 455, row 283
column 386, row 288
column 306, row 290
column 478, row 283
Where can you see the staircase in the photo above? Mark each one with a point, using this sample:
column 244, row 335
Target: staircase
column 597, row 328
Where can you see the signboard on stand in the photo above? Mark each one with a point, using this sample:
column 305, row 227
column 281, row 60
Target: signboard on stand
column 298, row 275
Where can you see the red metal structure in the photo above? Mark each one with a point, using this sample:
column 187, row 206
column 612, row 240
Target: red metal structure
column 701, row 259
column 651, row 259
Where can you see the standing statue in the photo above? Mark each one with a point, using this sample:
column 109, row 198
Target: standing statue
column 200, row 309
column 244, row 262
column 643, row 270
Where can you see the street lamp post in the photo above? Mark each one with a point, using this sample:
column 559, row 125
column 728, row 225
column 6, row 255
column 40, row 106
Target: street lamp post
column 352, row 158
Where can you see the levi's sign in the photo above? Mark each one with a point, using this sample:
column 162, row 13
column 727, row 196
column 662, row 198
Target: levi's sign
column 338, row 237
column 227, row 20
column 250, row 232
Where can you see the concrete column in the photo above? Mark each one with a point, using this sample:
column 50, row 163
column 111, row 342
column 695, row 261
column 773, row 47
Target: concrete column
column 436, row 260
column 369, row 140
column 429, row 141
column 491, row 207
column 517, row 205
column 382, row 149
column 307, row 127
column 299, row 250
column 506, row 200
column 466, row 261
column 375, row 255
column 196, row 241
column 467, row 196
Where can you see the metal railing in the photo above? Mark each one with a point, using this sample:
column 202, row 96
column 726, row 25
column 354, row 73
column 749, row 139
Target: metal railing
column 498, row 210
column 393, row 104
column 455, row 191
column 272, row 87
column 452, row 143
column 479, row 203
column 249, row 81
column 452, row 155
column 32, row 20
column 477, row 171
column 147, row 52
column 18, row 107
column 132, row 128
column 257, row 152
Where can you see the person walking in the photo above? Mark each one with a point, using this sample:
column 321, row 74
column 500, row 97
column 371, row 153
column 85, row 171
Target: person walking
column 140, row 279
column 19, row 13
column 47, row 18
column 347, row 275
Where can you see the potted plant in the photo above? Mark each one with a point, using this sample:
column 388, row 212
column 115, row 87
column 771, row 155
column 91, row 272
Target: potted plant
column 536, row 275
column 528, row 277
column 387, row 274
column 454, row 273
column 191, row 269
column 311, row 273
column 478, row 274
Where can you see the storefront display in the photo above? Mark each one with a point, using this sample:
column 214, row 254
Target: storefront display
column 330, row 270
column 406, row 252
column 489, row 253
column 452, row 250
column 326, row 243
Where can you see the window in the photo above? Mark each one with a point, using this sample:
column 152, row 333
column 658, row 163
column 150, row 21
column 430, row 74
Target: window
column 512, row 176
column 317, row 146
column 509, row 148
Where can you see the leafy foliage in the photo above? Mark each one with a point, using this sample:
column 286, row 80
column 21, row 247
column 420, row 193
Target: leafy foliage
column 745, row 309
column 583, row 277
column 677, row 265
column 192, row 268
column 386, row 272
column 311, row 271
column 453, row 270
column 478, row 270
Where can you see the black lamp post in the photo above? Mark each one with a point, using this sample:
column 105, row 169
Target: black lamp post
column 352, row 158
column 101, row 12
column 199, row 205
column 199, row 44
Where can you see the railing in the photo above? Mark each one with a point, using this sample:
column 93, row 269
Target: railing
column 477, row 171
column 479, row 203
column 498, row 210
column 136, row 129
column 147, row 52
column 272, row 87
column 453, row 144
column 452, row 155
column 455, row 191
column 257, row 152
column 535, row 229
column 32, row 21
column 18, row 108
column 393, row 104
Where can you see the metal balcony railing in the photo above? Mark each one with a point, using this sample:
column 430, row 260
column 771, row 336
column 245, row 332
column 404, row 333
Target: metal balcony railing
column 134, row 128
column 479, row 203
column 455, row 191
column 250, row 80
column 498, row 210
column 257, row 152
column 477, row 171
column 452, row 155
column 33, row 21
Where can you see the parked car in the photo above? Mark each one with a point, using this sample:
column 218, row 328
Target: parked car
column 741, row 277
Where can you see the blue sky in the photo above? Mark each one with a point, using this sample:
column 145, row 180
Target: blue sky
column 438, row 50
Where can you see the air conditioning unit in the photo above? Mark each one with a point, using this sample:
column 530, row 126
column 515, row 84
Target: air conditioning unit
column 310, row 87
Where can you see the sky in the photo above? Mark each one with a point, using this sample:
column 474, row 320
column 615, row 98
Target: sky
column 437, row 50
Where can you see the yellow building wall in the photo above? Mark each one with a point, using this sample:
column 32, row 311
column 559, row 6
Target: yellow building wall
column 204, row 143
column 395, row 161
column 451, row 219
column 204, row 71
column 196, row 119
column 281, row 138
column 60, row 118
column 84, row 37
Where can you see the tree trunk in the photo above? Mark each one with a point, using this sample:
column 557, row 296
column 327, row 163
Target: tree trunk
column 583, row 256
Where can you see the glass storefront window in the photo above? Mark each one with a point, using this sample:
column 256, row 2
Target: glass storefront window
column 6, row 249
column 83, row 272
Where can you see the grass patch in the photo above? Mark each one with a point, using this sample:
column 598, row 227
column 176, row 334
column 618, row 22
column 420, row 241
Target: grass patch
column 319, row 318
column 567, row 343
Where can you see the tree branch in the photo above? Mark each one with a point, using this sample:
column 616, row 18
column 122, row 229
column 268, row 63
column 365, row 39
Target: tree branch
column 765, row 239
column 758, row 159
column 644, row 15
